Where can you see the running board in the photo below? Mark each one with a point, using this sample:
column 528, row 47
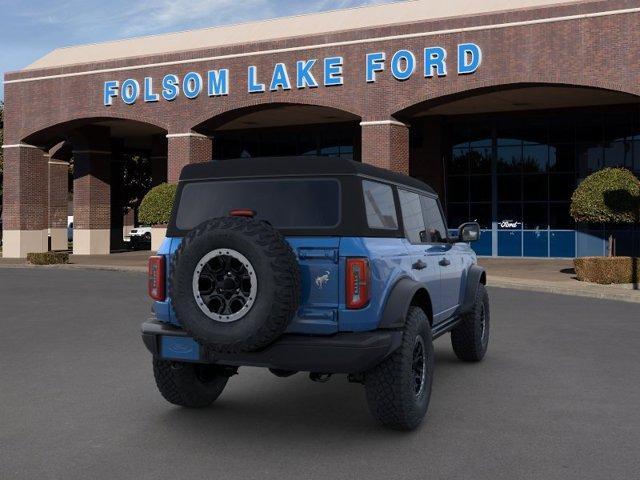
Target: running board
column 444, row 327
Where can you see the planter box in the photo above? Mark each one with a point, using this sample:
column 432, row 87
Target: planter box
column 158, row 234
column 608, row 270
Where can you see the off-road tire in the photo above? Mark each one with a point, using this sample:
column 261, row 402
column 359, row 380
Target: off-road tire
column 187, row 384
column 470, row 339
column 278, row 283
column 389, row 386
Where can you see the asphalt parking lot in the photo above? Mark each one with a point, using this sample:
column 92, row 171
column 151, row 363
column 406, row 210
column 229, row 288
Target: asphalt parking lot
column 557, row 397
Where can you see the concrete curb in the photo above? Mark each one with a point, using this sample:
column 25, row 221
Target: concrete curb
column 74, row 266
column 603, row 292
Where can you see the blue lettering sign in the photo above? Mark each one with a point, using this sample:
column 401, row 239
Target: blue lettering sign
column 304, row 76
column 149, row 96
column 469, row 58
column 130, row 91
column 435, row 58
column 110, row 92
column 192, row 85
column 280, row 78
column 375, row 63
column 254, row 86
column 333, row 71
column 403, row 64
column 218, row 82
column 170, row 89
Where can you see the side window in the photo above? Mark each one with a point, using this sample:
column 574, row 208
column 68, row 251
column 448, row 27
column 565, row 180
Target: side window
column 412, row 216
column 435, row 227
column 380, row 206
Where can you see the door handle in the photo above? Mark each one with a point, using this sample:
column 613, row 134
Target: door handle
column 444, row 262
column 419, row 265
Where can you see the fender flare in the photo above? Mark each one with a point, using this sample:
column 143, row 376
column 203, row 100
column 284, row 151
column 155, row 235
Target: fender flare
column 397, row 306
column 475, row 276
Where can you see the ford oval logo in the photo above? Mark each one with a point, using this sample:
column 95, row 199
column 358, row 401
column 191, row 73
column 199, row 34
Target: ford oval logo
column 177, row 348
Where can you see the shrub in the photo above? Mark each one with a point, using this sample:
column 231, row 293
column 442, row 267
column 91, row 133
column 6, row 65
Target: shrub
column 48, row 258
column 611, row 195
column 157, row 204
column 608, row 270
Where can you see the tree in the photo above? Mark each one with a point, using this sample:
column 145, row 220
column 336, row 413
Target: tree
column 156, row 206
column 136, row 182
column 611, row 195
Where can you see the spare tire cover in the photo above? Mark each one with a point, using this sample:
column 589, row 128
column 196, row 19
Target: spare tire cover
column 234, row 284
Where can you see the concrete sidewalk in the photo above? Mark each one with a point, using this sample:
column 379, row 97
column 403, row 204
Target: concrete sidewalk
column 552, row 276
column 539, row 275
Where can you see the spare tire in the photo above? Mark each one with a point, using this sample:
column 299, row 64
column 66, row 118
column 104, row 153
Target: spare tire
column 234, row 284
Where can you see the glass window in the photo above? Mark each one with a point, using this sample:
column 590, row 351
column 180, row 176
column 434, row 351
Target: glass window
column 559, row 217
column 380, row 206
column 535, row 216
column 561, row 186
column 509, row 188
column 509, row 216
column 534, row 158
column 480, row 160
column 510, row 159
column 480, row 186
column 458, row 188
column 436, row 229
column 458, row 213
column 481, row 213
column 459, row 162
column 562, row 158
column 412, row 216
column 296, row 203
column 618, row 154
column 535, row 187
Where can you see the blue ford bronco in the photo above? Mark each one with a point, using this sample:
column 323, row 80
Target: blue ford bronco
column 320, row 265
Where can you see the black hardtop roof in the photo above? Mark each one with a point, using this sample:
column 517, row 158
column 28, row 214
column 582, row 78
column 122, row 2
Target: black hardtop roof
column 294, row 166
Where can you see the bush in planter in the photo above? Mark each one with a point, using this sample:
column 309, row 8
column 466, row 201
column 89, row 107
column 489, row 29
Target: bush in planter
column 606, row 270
column 48, row 258
column 611, row 195
column 156, row 206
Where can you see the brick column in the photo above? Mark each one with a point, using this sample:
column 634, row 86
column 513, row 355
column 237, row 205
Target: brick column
column 184, row 149
column 385, row 144
column 92, row 192
column 25, row 201
column 58, row 198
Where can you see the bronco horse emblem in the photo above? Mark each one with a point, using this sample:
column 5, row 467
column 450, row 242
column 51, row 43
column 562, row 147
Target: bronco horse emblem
column 322, row 280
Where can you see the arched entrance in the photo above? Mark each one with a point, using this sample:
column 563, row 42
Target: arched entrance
column 276, row 130
column 511, row 157
column 113, row 163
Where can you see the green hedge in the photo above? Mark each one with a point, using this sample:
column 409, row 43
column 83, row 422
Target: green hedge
column 156, row 206
column 48, row 258
column 611, row 195
column 607, row 270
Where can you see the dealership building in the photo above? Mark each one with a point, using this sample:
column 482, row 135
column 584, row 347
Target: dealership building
column 502, row 106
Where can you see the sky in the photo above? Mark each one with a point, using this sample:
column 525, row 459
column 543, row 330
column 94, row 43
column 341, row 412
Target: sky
column 31, row 28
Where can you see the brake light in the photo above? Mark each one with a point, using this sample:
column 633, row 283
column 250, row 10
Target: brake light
column 156, row 278
column 357, row 282
column 242, row 212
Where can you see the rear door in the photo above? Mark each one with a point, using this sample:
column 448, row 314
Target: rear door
column 451, row 266
column 318, row 258
column 424, row 257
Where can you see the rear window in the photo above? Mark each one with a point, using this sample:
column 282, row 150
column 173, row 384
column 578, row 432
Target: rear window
column 381, row 209
column 286, row 204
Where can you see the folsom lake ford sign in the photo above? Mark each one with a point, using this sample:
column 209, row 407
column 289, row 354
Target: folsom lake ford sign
column 309, row 73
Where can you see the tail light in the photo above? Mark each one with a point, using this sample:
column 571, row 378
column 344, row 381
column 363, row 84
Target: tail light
column 357, row 282
column 156, row 278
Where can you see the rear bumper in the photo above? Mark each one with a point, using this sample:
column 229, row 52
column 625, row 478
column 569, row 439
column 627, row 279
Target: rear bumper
column 339, row 353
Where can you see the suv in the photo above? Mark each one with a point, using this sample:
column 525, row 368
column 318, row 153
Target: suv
column 311, row 264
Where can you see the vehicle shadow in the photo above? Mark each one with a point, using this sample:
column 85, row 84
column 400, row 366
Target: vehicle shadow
column 285, row 410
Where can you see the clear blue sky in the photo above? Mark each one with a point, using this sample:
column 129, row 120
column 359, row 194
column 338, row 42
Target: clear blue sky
column 31, row 28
